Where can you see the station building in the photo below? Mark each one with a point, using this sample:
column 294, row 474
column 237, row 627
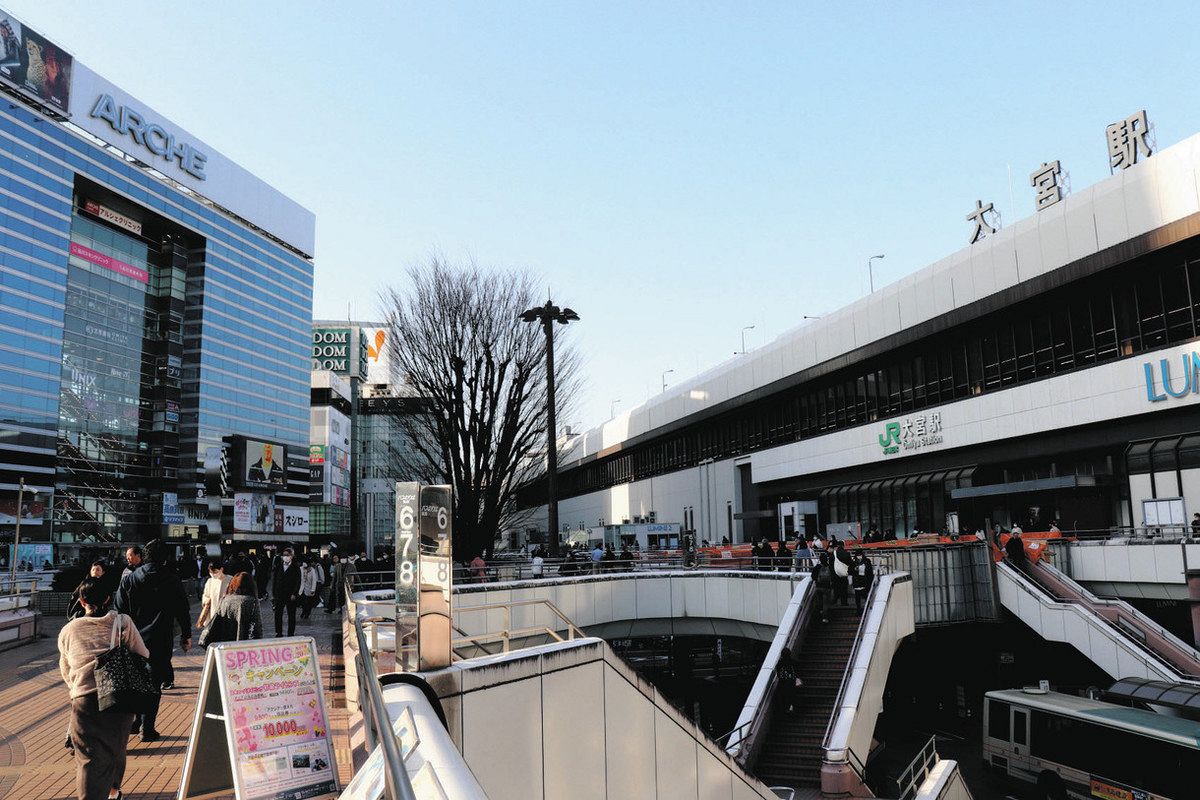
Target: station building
column 155, row 304
column 1049, row 371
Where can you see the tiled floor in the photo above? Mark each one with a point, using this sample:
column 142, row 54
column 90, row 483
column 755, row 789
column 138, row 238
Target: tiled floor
column 34, row 765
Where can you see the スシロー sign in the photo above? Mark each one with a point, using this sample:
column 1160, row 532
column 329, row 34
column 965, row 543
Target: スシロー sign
column 260, row 728
column 911, row 433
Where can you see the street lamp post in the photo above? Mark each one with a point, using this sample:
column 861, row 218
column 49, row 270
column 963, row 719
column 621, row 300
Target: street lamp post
column 747, row 328
column 547, row 315
column 871, row 273
column 664, row 377
column 12, row 577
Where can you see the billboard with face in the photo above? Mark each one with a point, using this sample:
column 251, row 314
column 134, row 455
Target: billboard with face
column 35, row 65
column 264, row 464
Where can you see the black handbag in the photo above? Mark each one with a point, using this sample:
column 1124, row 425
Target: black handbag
column 219, row 629
column 124, row 684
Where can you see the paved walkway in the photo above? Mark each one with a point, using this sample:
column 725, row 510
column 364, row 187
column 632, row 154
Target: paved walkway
column 34, row 764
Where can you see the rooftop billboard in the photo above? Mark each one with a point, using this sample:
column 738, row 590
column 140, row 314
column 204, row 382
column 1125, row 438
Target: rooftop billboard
column 34, row 65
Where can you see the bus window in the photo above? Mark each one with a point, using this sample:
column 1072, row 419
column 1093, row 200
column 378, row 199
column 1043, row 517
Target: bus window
column 998, row 727
column 1020, row 724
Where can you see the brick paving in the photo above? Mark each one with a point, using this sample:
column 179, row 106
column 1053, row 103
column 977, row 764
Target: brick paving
column 34, row 764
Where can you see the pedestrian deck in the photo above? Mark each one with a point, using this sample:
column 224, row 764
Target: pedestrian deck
column 34, row 764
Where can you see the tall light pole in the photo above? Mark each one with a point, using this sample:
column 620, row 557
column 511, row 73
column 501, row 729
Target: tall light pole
column 870, row 272
column 664, row 377
column 12, row 577
column 547, row 315
column 747, row 328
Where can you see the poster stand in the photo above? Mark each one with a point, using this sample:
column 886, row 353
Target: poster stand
column 260, row 729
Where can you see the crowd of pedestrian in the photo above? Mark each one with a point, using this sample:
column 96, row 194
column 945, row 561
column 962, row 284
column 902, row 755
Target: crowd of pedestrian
column 145, row 605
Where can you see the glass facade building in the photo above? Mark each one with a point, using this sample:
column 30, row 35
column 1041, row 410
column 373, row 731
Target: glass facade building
column 140, row 325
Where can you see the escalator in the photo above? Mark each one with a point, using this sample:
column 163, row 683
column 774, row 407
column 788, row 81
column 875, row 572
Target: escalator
column 1114, row 635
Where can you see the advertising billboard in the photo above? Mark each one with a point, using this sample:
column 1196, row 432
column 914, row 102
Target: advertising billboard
column 331, row 350
column 254, row 513
column 34, row 65
column 378, row 358
column 264, row 465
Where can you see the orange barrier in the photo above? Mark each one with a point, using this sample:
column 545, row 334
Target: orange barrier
column 1036, row 545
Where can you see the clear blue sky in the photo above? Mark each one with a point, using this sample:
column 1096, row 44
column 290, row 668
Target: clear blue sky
column 674, row 171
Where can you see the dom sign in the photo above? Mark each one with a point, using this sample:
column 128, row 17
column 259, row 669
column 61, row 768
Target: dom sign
column 129, row 122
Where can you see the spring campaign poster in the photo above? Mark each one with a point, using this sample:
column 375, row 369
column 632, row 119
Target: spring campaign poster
column 278, row 720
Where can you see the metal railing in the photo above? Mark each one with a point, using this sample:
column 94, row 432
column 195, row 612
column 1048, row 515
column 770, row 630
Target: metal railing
column 376, row 723
column 507, row 633
column 911, row 778
column 1127, row 614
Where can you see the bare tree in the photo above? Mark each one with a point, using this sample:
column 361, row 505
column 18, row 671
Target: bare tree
column 480, row 376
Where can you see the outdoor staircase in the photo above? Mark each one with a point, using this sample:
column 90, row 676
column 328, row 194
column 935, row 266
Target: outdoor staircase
column 791, row 753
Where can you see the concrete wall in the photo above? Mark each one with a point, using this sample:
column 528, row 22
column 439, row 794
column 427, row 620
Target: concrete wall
column 754, row 597
column 706, row 489
column 571, row 720
column 1123, row 568
column 945, row 782
column 1077, row 626
column 889, row 619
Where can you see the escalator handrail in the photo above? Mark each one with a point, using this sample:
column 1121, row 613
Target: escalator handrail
column 1127, row 610
column 1030, row 585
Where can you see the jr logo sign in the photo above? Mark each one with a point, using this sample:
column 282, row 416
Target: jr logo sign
column 911, row 433
column 889, row 440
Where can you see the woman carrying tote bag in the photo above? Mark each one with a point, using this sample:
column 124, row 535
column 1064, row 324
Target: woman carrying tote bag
column 100, row 737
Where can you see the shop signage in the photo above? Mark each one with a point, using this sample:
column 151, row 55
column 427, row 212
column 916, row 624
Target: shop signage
column 108, row 215
column 260, row 729
column 99, row 259
column 1159, row 384
column 911, row 433
column 150, row 135
column 295, row 519
column 331, row 349
column 172, row 513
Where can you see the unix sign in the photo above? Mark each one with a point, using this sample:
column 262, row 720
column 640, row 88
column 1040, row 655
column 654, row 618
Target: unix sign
column 128, row 122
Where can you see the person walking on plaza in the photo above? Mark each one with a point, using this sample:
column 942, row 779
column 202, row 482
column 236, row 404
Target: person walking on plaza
column 237, row 617
column 822, row 576
column 841, row 574
column 99, row 738
column 862, row 573
column 308, row 588
column 478, row 568
column 783, row 556
column 95, row 572
column 1014, row 550
column 537, row 564
column 153, row 596
column 214, row 590
column 196, row 568
column 337, row 586
column 133, row 559
column 261, row 570
column 285, row 591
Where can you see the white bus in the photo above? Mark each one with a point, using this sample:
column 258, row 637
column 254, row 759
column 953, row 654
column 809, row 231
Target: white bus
column 1072, row 747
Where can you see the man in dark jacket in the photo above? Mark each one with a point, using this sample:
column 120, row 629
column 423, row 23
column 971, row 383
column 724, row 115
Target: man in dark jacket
column 153, row 596
column 1014, row 548
column 285, row 591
